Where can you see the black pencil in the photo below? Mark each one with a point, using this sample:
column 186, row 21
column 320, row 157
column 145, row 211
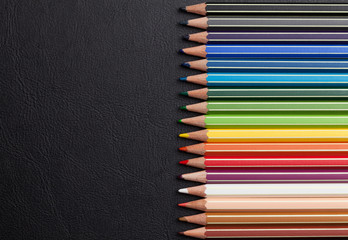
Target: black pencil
column 266, row 8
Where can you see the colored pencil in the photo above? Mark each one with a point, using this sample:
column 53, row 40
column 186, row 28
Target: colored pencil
column 269, row 79
column 265, row 106
column 268, row 51
column 269, row 231
column 221, row 23
column 269, row 135
column 225, row 204
column 269, row 190
column 266, row 36
column 294, row 217
column 300, row 160
column 268, row 120
column 267, row 93
column 269, row 175
column 215, row 8
column 274, row 65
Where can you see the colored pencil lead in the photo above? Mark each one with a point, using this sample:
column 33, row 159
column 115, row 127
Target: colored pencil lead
column 183, row 190
column 181, row 233
column 184, row 149
column 180, row 177
column 184, row 93
column 186, row 37
column 183, row 79
column 183, row 108
column 184, row 135
column 181, row 51
column 185, row 64
column 183, row 9
column 183, row 219
column 184, row 162
column 179, row 121
column 185, row 22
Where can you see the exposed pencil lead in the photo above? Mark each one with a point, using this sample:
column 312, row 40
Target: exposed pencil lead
column 184, row 93
column 180, row 121
column 184, row 162
column 183, row 219
column 180, row 177
column 181, row 51
column 186, row 37
column 183, row 108
column 184, row 135
column 181, row 233
column 183, row 78
column 185, row 64
column 183, row 9
column 185, row 22
column 183, row 190
column 182, row 204
column 184, row 149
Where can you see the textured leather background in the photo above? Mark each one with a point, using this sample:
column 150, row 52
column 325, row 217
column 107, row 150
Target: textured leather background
column 89, row 103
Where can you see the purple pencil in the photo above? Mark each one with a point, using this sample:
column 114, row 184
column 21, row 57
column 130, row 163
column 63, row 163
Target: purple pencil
column 269, row 36
column 269, row 176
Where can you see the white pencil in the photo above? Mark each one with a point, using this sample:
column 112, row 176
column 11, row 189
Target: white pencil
column 269, row 190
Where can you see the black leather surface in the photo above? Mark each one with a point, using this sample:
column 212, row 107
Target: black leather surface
column 89, row 103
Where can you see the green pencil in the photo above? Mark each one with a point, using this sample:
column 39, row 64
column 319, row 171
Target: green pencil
column 243, row 93
column 268, row 120
column 271, row 105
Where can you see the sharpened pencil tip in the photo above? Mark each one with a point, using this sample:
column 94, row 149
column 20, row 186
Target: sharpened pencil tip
column 185, row 64
column 183, row 79
column 184, row 93
column 182, row 204
column 184, row 162
column 180, row 177
column 184, row 22
column 183, row 190
column 183, row 9
column 184, row 135
column 180, row 121
column 181, row 51
column 186, row 37
column 182, row 233
column 183, row 108
column 183, row 219
column 184, row 149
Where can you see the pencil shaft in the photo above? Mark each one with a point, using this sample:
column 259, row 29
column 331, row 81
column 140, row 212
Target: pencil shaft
column 277, row 176
column 276, row 218
column 277, row 80
column 232, row 37
column 280, row 93
column 277, row 135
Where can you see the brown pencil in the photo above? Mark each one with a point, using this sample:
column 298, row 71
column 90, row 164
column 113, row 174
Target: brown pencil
column 267, row 217
column 225, row 204
column 269, row 231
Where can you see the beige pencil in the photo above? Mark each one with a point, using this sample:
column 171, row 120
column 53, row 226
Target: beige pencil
column 216, row 204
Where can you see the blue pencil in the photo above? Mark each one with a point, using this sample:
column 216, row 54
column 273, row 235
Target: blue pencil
column 268, row 51
column 268, row 65
column 269, row 79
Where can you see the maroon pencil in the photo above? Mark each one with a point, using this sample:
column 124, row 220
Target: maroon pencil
column 269, row 175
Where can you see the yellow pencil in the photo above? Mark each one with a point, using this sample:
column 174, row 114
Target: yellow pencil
column 270, row 135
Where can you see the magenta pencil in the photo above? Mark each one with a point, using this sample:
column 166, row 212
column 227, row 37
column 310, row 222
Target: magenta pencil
column 269, row 175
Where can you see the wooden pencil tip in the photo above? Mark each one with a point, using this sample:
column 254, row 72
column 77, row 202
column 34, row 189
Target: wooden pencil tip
column 183, row 79
column 185, row 64
column 183, row 219
column 184, row 162
column 184, row 22
column 184, row 135
column 183, row 9
column 186, row 37
column 183, row 108
column 182, row 233
column 181, row 51
column 184, row 93
column 184, row 149
column 182, row 204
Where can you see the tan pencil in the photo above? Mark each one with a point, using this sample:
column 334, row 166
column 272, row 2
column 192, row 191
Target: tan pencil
column 267, row 217
column 225, row 204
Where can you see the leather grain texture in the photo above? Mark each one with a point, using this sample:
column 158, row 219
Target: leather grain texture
column 88, row 109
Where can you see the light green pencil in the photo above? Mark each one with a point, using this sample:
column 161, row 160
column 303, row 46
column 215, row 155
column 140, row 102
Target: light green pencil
column 262, row 106
column 268, row 120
